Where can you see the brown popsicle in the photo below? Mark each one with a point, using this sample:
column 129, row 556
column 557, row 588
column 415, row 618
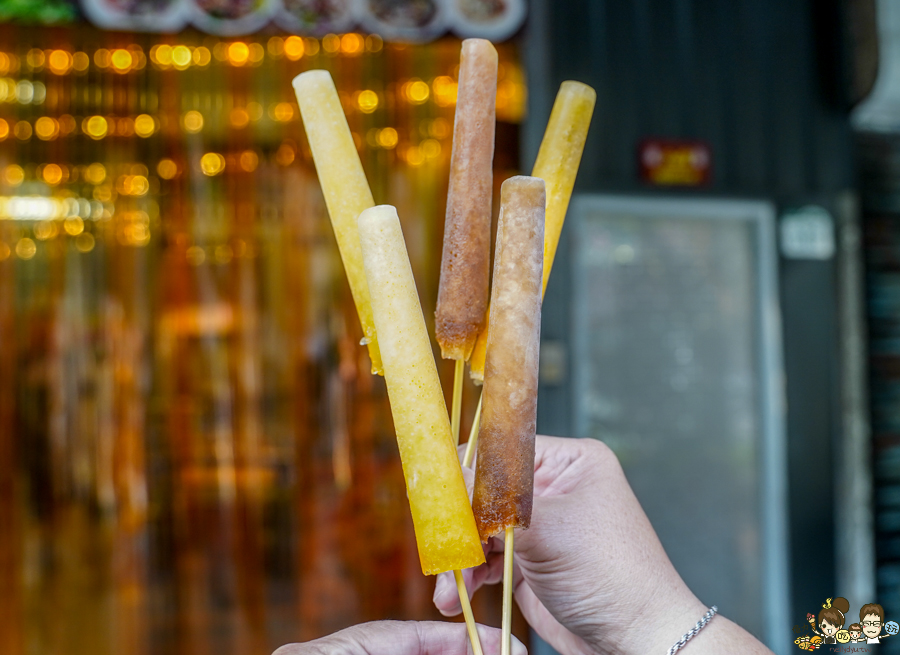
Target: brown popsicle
column 465, row 262
column 504, row 475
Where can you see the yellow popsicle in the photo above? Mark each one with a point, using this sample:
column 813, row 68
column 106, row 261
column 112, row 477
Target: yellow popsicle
column 557, row 164
column 442, row 516
column 344, row 185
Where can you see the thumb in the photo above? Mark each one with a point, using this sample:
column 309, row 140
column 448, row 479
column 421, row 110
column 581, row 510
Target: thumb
column 403, row 638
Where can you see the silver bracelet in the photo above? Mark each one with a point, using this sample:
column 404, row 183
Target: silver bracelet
column 690, row 634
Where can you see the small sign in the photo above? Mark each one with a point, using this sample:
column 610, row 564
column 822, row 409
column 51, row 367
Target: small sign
column 807, row 233
column 675, row 163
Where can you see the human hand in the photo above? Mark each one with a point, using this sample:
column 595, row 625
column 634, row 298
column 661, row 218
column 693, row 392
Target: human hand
column 590, row 574
column 402, row 638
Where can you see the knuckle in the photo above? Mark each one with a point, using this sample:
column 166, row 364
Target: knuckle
column 288, row 649
column 599, row 451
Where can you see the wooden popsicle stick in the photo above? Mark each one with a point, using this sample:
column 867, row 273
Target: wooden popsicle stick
column 506, row 625
column 456, row 410
column 467, row 613
column 473, row 437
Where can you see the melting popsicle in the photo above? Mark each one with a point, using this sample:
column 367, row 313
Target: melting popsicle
column 557, row 164
column 344, row 185
column 442, row 517
column 504, row 474
column 465, row 263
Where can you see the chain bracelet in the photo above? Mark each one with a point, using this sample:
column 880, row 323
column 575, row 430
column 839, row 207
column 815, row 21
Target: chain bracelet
column 690, row 634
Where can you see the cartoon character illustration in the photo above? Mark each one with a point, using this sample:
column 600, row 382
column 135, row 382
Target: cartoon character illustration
column 831, row 619
column 807, row 643
column 871, row 617
column 855, row 631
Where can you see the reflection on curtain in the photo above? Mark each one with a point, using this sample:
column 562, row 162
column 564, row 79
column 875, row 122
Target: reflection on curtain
column 194, row 457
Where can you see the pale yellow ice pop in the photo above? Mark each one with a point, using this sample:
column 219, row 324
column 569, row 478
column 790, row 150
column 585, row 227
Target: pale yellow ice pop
column 442, row 517
column 557, row 164
column 344, row 185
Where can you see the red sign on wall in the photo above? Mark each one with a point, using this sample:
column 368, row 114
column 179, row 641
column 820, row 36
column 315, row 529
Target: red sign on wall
column 675, row 163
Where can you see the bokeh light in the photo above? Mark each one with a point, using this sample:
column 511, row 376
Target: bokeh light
column 44, row 230
column 352, row 44
column 387, row 138
column 95, row 173
column 60, row 62
column 95, row 127
column 74, row 226
column 367, row 101
column 167, row 169
column 416, row 91
column 101, row 58
column 84, row 242
column 285, row 154
column 239, row 117
column 46, row 128
column 283, row 112
column 181, row 57
column 80, row 61
column 121, row 61
column 52, row 174
column 275, row 46
column 249, row 161
column 445, row 90
column 26, row 248
column 144, row 125
column 201, row 56
column 212, row 163
column 161, row 55
column 22, row 130
column 195, row 255
column 331, row 43
column 192, row 121
column 238, row 53
column 14, row 175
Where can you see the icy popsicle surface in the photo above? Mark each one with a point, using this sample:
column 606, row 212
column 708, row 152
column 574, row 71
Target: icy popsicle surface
column 343, row 183
column 465, row 263
column 442, row 517
column 504, row 475
column 557, row 164
column 559, row 157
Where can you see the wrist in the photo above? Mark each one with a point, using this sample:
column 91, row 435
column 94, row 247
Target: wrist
column 664, row 619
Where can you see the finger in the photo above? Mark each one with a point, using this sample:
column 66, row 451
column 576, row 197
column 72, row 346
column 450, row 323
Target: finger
column 446, row 595
column 563, row 465
column 402, row 638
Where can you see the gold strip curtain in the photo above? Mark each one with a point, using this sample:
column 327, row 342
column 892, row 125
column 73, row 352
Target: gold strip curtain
column 194, row 457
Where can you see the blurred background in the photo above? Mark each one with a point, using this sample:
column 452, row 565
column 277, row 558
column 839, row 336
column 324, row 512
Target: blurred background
column 194, row 457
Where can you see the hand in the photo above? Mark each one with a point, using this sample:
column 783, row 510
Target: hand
column 590, row 574
column 402, row 638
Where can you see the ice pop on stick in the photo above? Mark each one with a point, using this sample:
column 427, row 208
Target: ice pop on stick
column 344, row 185
column 465, row 263
column 442, row 517
column 504, row 474
column 557, row 164
column 559, row 157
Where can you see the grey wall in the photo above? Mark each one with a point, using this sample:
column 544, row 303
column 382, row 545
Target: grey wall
column 743, row 76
